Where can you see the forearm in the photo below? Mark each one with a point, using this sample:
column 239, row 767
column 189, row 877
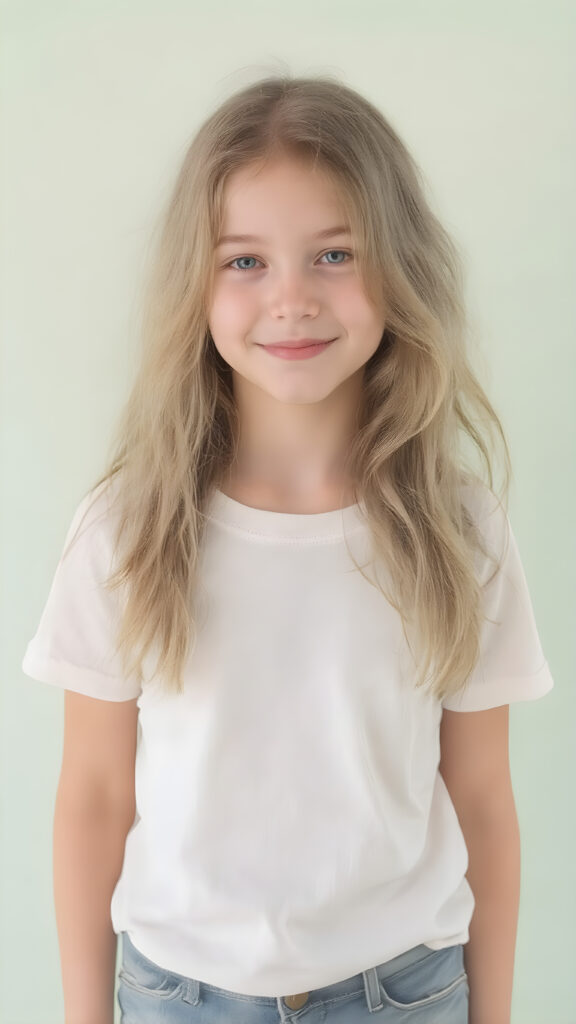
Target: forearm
column 88, row 854
column 494, row 877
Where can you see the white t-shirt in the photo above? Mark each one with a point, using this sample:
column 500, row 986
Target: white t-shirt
column 292, row 828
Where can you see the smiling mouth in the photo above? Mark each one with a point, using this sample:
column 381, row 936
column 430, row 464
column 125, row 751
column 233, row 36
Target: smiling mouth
column 301, row 343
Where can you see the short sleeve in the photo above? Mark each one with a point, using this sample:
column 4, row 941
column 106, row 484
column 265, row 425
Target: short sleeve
column 511, row 666
column 74, row 645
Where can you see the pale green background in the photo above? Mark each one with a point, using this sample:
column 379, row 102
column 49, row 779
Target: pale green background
column 100, row 101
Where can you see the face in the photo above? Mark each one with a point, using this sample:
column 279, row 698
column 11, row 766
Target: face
column 290, row 283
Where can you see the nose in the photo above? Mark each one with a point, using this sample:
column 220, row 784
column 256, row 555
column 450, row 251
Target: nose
column 293, row 295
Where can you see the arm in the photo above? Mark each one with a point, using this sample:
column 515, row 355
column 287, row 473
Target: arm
column 94, row 810
column 474, row 764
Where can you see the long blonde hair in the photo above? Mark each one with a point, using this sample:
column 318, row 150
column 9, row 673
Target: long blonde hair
column 179, row 430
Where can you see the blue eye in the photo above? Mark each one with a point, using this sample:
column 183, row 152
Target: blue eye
column 341, row 252
column 241, row 258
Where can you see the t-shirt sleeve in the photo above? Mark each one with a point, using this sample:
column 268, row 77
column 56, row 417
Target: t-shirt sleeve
column 511, row 666
column 74, row 645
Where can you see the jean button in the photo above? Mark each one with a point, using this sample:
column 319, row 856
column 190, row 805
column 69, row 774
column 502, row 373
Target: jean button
column 296, row 1002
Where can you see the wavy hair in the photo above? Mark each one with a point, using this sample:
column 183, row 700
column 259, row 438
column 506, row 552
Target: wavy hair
column 179, row 430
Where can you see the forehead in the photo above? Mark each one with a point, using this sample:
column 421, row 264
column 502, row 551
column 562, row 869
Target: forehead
column 288, row 186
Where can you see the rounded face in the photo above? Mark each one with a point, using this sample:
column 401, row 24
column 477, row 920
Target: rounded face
column 294, row 279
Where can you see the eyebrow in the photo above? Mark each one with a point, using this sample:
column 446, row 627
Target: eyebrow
column 327, row 233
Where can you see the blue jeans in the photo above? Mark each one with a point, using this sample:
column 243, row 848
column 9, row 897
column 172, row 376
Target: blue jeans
column 422, row 986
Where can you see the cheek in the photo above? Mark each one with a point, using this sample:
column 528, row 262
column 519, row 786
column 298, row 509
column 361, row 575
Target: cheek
column 353, row 306
column 229, row 305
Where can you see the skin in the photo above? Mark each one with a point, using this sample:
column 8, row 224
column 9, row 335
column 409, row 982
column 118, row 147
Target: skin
column 474, row 764
column 296, row 417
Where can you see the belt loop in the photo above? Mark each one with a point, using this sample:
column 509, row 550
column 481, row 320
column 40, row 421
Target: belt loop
column 191, row 993
column 372, row 989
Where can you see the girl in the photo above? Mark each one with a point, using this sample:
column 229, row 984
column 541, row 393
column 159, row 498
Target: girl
column 290, row 617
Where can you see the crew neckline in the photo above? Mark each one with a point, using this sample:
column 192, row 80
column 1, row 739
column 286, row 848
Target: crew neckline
column 290, row 525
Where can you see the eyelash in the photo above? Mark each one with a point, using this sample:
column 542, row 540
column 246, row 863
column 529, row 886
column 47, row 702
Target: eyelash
column 246, row 270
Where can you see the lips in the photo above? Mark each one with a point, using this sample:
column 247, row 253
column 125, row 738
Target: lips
column 299, row 352
column 299, row 343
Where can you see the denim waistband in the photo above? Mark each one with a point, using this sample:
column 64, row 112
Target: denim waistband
column 367, row 979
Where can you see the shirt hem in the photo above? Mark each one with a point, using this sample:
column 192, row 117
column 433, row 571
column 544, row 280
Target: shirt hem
column 506, row 690
column 81, row 680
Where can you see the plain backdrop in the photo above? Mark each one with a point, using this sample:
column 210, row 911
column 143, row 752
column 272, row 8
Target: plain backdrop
column 100, row 101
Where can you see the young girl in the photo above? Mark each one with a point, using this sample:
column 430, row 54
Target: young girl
column 290, row 618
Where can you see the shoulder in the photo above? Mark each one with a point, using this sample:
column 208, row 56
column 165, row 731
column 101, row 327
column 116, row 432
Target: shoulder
column 94, row 519
column 489, row 517
column 483, row 505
